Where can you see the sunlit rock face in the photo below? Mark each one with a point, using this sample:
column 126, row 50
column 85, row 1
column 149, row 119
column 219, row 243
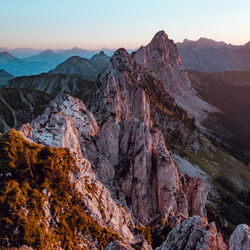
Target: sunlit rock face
column 121, row 94
column 194, row 233
column 162, row 58
column 65, row 123
column 240, row 238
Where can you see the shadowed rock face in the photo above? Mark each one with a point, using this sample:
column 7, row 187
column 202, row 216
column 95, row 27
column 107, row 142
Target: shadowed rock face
column 194, row 233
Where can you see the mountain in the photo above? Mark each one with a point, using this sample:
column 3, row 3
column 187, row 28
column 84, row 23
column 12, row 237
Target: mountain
column 121, row 163
column 48, row 58
column 53, row 84
column 65, row 54
column 16, row 66
column 207, row 55
column 202, row 42
column 6, row 57
column 4, row 77
column 86, row 68
column 162, row 58
column 21, row 52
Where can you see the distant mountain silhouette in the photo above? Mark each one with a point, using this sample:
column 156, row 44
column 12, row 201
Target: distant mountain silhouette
column 86, row 68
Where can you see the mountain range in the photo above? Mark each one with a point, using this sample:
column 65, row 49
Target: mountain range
column 42, row 62
column 126, row 159
column 204, row 55
column 207, row 55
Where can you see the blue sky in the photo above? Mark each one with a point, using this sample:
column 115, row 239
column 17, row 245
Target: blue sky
column 93, row 24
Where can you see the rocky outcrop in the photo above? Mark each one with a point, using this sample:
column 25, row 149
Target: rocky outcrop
column 129, row 155
column 100, row 202
column 121, row 94
column 240, row 238
column 163, row 59
column 194, row 233
column 65, row 123
column 196, row 192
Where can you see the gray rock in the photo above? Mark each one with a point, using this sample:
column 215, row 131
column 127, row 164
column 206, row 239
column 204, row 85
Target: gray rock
column 194, row 233
column 240, row 238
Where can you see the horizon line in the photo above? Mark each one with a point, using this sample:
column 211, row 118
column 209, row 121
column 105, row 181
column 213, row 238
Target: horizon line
column 107, row 48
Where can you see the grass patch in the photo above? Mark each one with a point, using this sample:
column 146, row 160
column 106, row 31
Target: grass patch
column 26, row 170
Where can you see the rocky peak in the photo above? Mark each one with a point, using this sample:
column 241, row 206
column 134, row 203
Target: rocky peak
column 247, row 45
column 161, row 57
column 6, row 57
column 64, row 119
column 121, row 60
column 120, row 94
column 101, row 56
column 47, row 52
column 160, row 35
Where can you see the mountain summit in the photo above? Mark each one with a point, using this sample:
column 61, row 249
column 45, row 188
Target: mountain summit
column 161, row 57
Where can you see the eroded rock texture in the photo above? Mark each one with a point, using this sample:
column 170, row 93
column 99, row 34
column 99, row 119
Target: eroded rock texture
column 194, row 233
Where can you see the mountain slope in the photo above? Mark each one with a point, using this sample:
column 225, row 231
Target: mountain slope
column 4, row 77
column 229, row 91
column 18, row 106
column 52, row 84
column 16, row 66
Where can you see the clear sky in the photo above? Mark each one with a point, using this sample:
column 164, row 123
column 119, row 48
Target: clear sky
column 93, row 24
